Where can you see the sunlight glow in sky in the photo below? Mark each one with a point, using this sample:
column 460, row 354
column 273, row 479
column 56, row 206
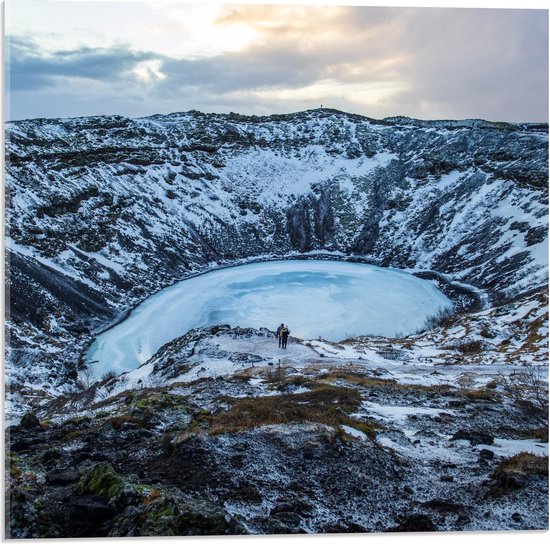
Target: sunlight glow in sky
column 70, row 58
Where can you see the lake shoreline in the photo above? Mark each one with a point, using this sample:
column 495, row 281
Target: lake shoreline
column 334, row 302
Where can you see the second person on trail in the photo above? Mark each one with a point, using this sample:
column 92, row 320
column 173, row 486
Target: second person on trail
column 279, row 336
column 284, row 336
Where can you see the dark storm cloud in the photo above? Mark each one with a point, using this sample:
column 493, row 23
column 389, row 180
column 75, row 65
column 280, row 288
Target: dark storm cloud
column 29, row 70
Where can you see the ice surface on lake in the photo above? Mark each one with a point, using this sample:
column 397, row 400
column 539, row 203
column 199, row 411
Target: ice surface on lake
column 327, row 299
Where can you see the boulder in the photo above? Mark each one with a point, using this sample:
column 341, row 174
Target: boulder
column 63, row 476
column 174, row 515
column 50, row 455
column 88, row 516
column 101, row 480
column 486, row 454
column 474, row 437
column 30, row 421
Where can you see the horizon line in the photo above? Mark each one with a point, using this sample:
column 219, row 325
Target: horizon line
column 278, row 114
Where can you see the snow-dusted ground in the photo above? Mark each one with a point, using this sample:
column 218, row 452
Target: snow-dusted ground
column 419, row 407
column 433, row 423
column 327, row 299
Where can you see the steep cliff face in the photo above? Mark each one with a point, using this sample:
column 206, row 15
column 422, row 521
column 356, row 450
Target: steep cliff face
column 103, row 211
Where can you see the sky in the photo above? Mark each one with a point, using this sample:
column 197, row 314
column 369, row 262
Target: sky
column 67, row 58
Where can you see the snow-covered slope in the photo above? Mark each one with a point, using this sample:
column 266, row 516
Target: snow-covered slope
column 103, row 211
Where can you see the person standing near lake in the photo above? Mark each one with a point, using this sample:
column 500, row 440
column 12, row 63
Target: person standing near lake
column 279, row 337
column 284, row 336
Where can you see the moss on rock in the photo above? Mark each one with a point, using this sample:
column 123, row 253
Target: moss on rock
column 172, row 516
column 102, row 480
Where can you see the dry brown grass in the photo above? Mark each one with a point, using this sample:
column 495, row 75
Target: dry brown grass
column 539, row 434
column 200, row 423
column 110, row 401
column 523, row 464
column 528, row 388
column 248, row 372
column 471, row 348
column 482, row 394
column 153, row 496
column 534, row 338
column 326, row 404
column 118, row 421
column 15, row 472
column 279, row 380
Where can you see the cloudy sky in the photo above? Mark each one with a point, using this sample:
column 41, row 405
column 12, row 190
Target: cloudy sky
column 75, row 57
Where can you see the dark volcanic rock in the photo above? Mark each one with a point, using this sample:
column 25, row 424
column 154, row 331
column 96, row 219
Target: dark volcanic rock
column 63, row 476
column 30, row 421
column 475, row 437
column 415, row 523
column 486, row 454
column 101, row 212
column 88, row 516
column 444, row 506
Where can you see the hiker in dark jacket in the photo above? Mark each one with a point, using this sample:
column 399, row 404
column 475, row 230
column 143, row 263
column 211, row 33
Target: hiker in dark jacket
column 279, row 337
column 284, row 336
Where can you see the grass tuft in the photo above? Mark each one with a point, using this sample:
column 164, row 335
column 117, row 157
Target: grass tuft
column 326, row 404
column 481, row 394
column 524, row 464
column 471, row 348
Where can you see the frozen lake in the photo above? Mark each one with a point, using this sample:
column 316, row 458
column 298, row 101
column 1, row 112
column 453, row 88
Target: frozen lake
column 328, row 299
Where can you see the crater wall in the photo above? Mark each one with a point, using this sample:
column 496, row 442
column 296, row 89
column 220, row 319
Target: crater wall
column 103, row 211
